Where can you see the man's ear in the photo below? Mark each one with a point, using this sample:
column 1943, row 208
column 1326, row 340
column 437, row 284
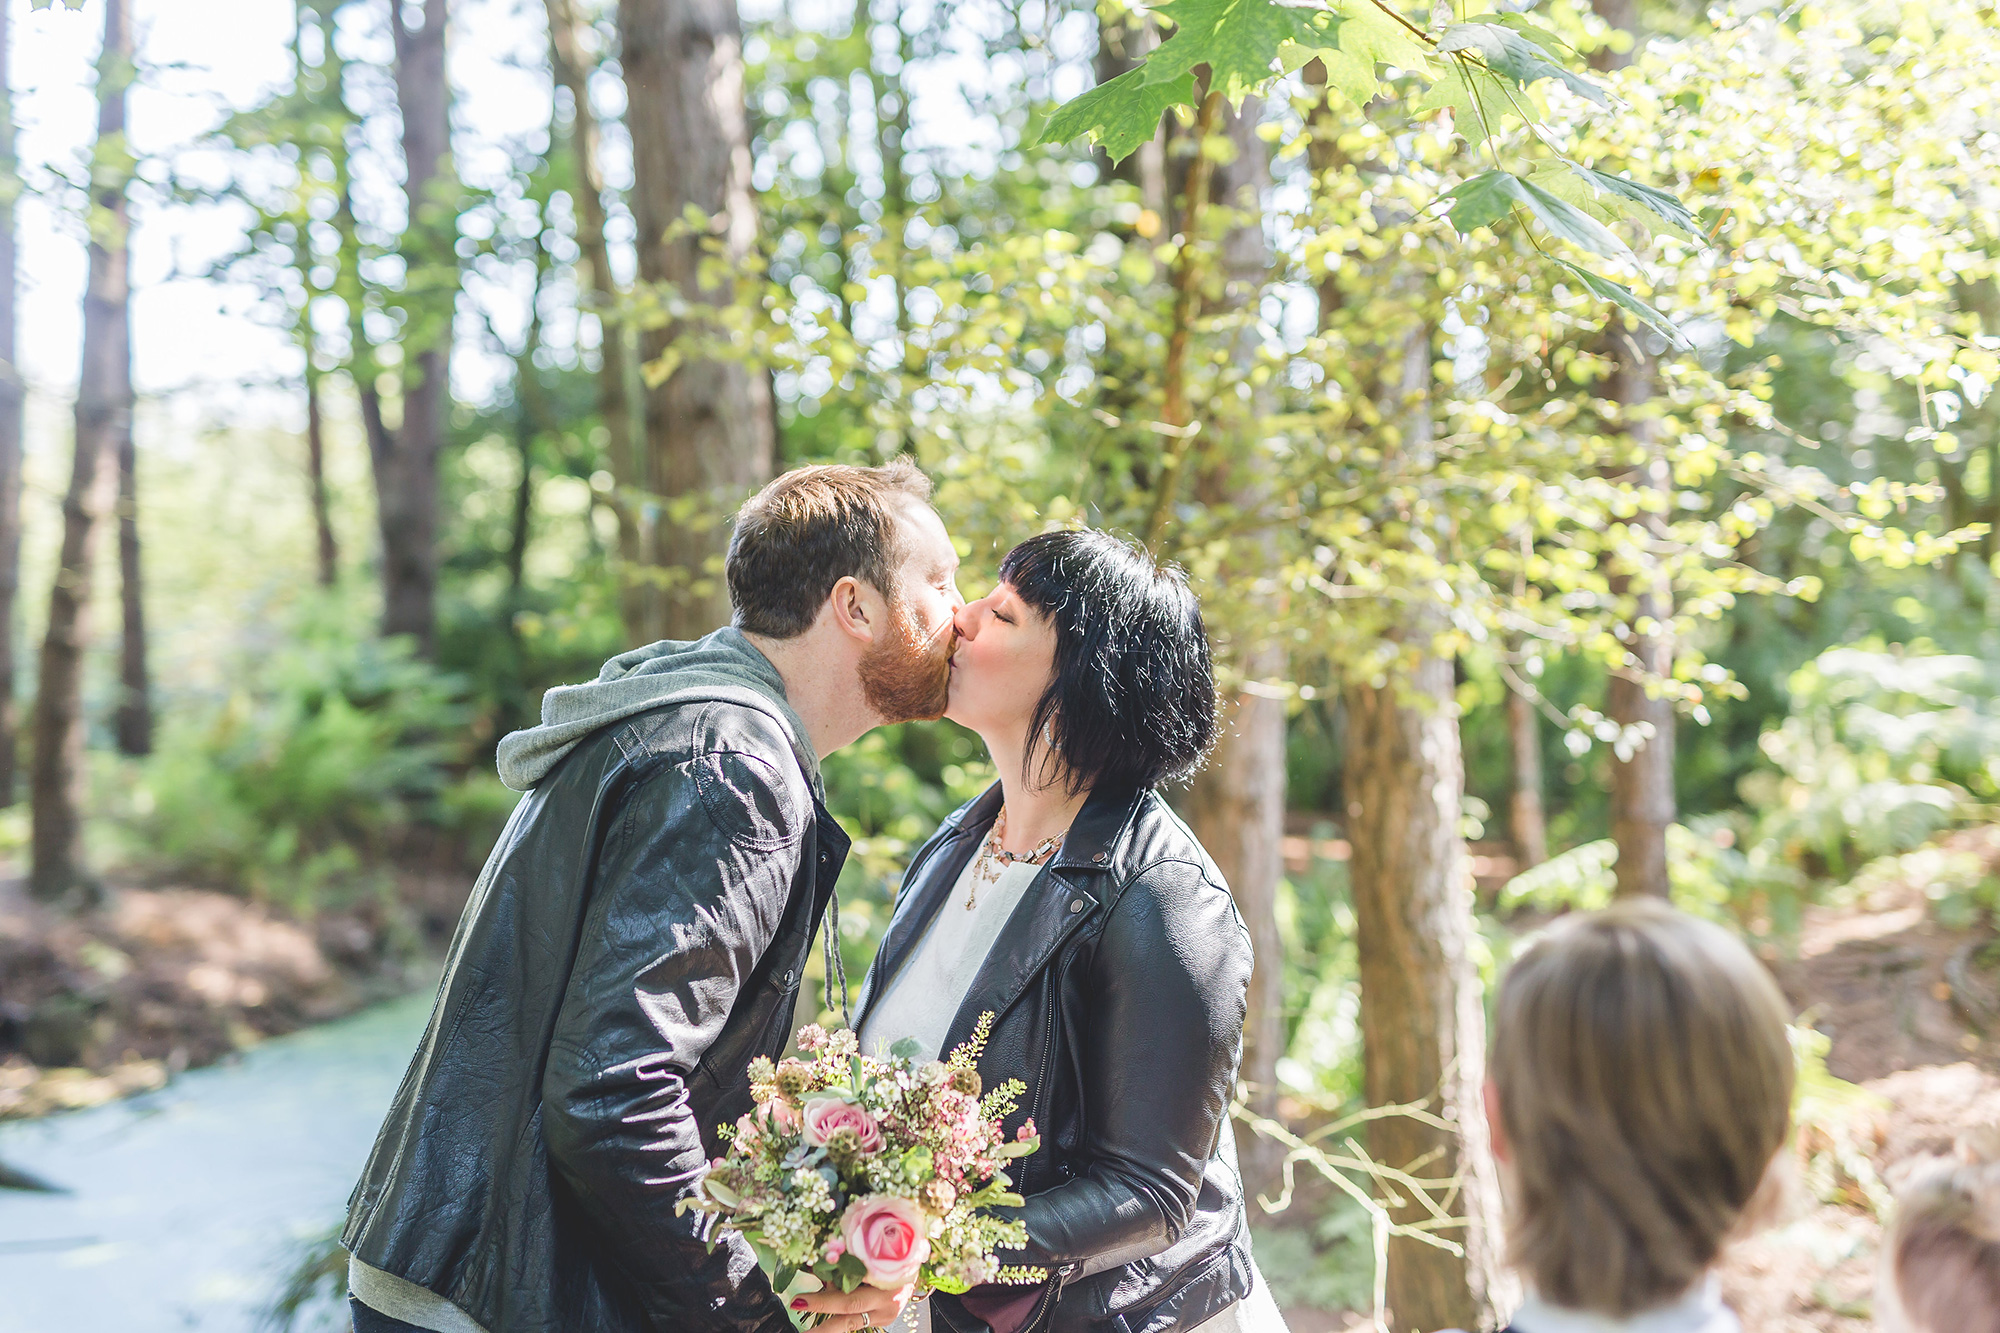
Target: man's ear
column 856, row 608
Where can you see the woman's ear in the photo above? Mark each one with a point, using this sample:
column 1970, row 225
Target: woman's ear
column 1496, row 1132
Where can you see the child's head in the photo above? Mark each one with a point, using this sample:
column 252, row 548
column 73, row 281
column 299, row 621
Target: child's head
column 1941, row 1267
column 1643, row 1081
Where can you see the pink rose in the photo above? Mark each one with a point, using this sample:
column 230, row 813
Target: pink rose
column 780, row 1115
column 827, row 1116
column 886, row 1232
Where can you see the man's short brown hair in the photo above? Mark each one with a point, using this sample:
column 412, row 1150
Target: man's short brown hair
column 809, row 529
column 1645, row 1085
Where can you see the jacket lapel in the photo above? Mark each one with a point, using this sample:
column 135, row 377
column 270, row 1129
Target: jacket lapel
column 925, row 890
column 1065, row 895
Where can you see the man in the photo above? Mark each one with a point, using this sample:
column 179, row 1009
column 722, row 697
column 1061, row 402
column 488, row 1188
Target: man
column 639, row 935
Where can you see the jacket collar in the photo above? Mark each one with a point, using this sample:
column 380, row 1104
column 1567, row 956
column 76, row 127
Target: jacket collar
column 1067, row 893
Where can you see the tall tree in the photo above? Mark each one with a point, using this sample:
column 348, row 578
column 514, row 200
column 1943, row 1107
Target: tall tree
column 1526, row 820
column 12, row 395
column 327, row 548
column 103, row 421
column 405, row 457
column 1423, row 1026
column 1642, row 760
column 638, row 596
column 1237, row 805
column 711, row 435
column 133, row 722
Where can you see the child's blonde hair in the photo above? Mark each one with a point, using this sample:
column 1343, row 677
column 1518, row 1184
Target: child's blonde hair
column 1644, row 1079
column 1943, row 1257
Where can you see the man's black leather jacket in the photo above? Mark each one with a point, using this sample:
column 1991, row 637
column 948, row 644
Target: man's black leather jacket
column 636, row 938
column 1120, row 984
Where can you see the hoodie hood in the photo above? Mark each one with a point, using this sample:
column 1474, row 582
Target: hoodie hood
column 723, row 667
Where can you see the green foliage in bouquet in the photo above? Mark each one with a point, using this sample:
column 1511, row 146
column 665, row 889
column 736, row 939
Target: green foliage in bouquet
column 885, row 1169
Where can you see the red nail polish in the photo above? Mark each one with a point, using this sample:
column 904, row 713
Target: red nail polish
column 798, row 1302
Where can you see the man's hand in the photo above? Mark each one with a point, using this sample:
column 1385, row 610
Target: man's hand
column 864, row 1307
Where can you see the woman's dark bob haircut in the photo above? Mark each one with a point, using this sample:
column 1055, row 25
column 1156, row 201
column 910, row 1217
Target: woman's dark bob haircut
column 1132, row 699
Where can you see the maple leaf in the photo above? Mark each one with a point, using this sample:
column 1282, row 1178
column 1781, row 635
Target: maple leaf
column 1366, row 37
column 1239, row 41
column 1120, row 115
column 1517, row 54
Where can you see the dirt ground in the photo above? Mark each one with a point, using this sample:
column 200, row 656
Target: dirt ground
column 1874, row 978
column 117, row 1000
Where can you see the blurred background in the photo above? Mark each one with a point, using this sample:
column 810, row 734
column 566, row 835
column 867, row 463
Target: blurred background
column 378, row 364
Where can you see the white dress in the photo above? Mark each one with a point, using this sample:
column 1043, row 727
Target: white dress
column 924, row 998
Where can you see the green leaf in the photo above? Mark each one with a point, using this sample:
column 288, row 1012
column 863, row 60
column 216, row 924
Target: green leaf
column 1365, row 37
column 1491, row 195
column 851, row 1271
column 1643, row 202
column 1238, row 40
column 1477, row 98
column 909, row 1048
column 1516, row 55
column 1541, row 37
column 1571, row 223
column 1120, row 115
column 1627, row 299
column 1484, row 200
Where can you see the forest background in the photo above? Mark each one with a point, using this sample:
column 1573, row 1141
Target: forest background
column 1576, row 419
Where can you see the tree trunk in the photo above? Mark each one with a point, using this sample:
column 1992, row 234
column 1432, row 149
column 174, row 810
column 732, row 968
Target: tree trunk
column 529, row 413
column 1526, row 820
column 1642, row 764
column 11, row 402
column 637, row 599
column 406, row 459
column 134, row 720
column 1237, row 806
column 1423, row 1026
column 103, row 417
column 329, row 549
column 1423, row 1030
column 711, row 434
column 1642, row 761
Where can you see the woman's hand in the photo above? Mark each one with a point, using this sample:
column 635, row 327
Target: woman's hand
column 864, row 1307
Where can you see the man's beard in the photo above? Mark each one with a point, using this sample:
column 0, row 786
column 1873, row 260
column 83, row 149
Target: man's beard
column 905, row 678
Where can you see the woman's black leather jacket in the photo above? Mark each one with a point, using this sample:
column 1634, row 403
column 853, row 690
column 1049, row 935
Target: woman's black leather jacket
column 1119, row 986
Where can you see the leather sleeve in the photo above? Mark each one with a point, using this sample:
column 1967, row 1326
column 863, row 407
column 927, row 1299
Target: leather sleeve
column 691, row 887
column 1160, row 1041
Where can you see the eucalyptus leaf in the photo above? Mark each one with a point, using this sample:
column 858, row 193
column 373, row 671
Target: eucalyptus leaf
column 909, row 1048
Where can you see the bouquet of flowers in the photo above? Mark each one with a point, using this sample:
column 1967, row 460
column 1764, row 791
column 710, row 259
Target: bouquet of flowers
column 856, row 1168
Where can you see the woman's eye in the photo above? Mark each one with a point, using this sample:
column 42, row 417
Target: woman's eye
column 1003, row 618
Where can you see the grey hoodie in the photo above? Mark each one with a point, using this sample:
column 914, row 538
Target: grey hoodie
column 722, row 667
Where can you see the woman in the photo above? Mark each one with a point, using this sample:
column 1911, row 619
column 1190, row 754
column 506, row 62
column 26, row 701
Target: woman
column 1069, row 901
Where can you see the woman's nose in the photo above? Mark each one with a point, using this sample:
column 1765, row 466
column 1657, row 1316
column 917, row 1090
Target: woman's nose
column 965, row 622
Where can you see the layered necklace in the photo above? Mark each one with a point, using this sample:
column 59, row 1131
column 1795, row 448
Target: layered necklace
column 994, row 859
